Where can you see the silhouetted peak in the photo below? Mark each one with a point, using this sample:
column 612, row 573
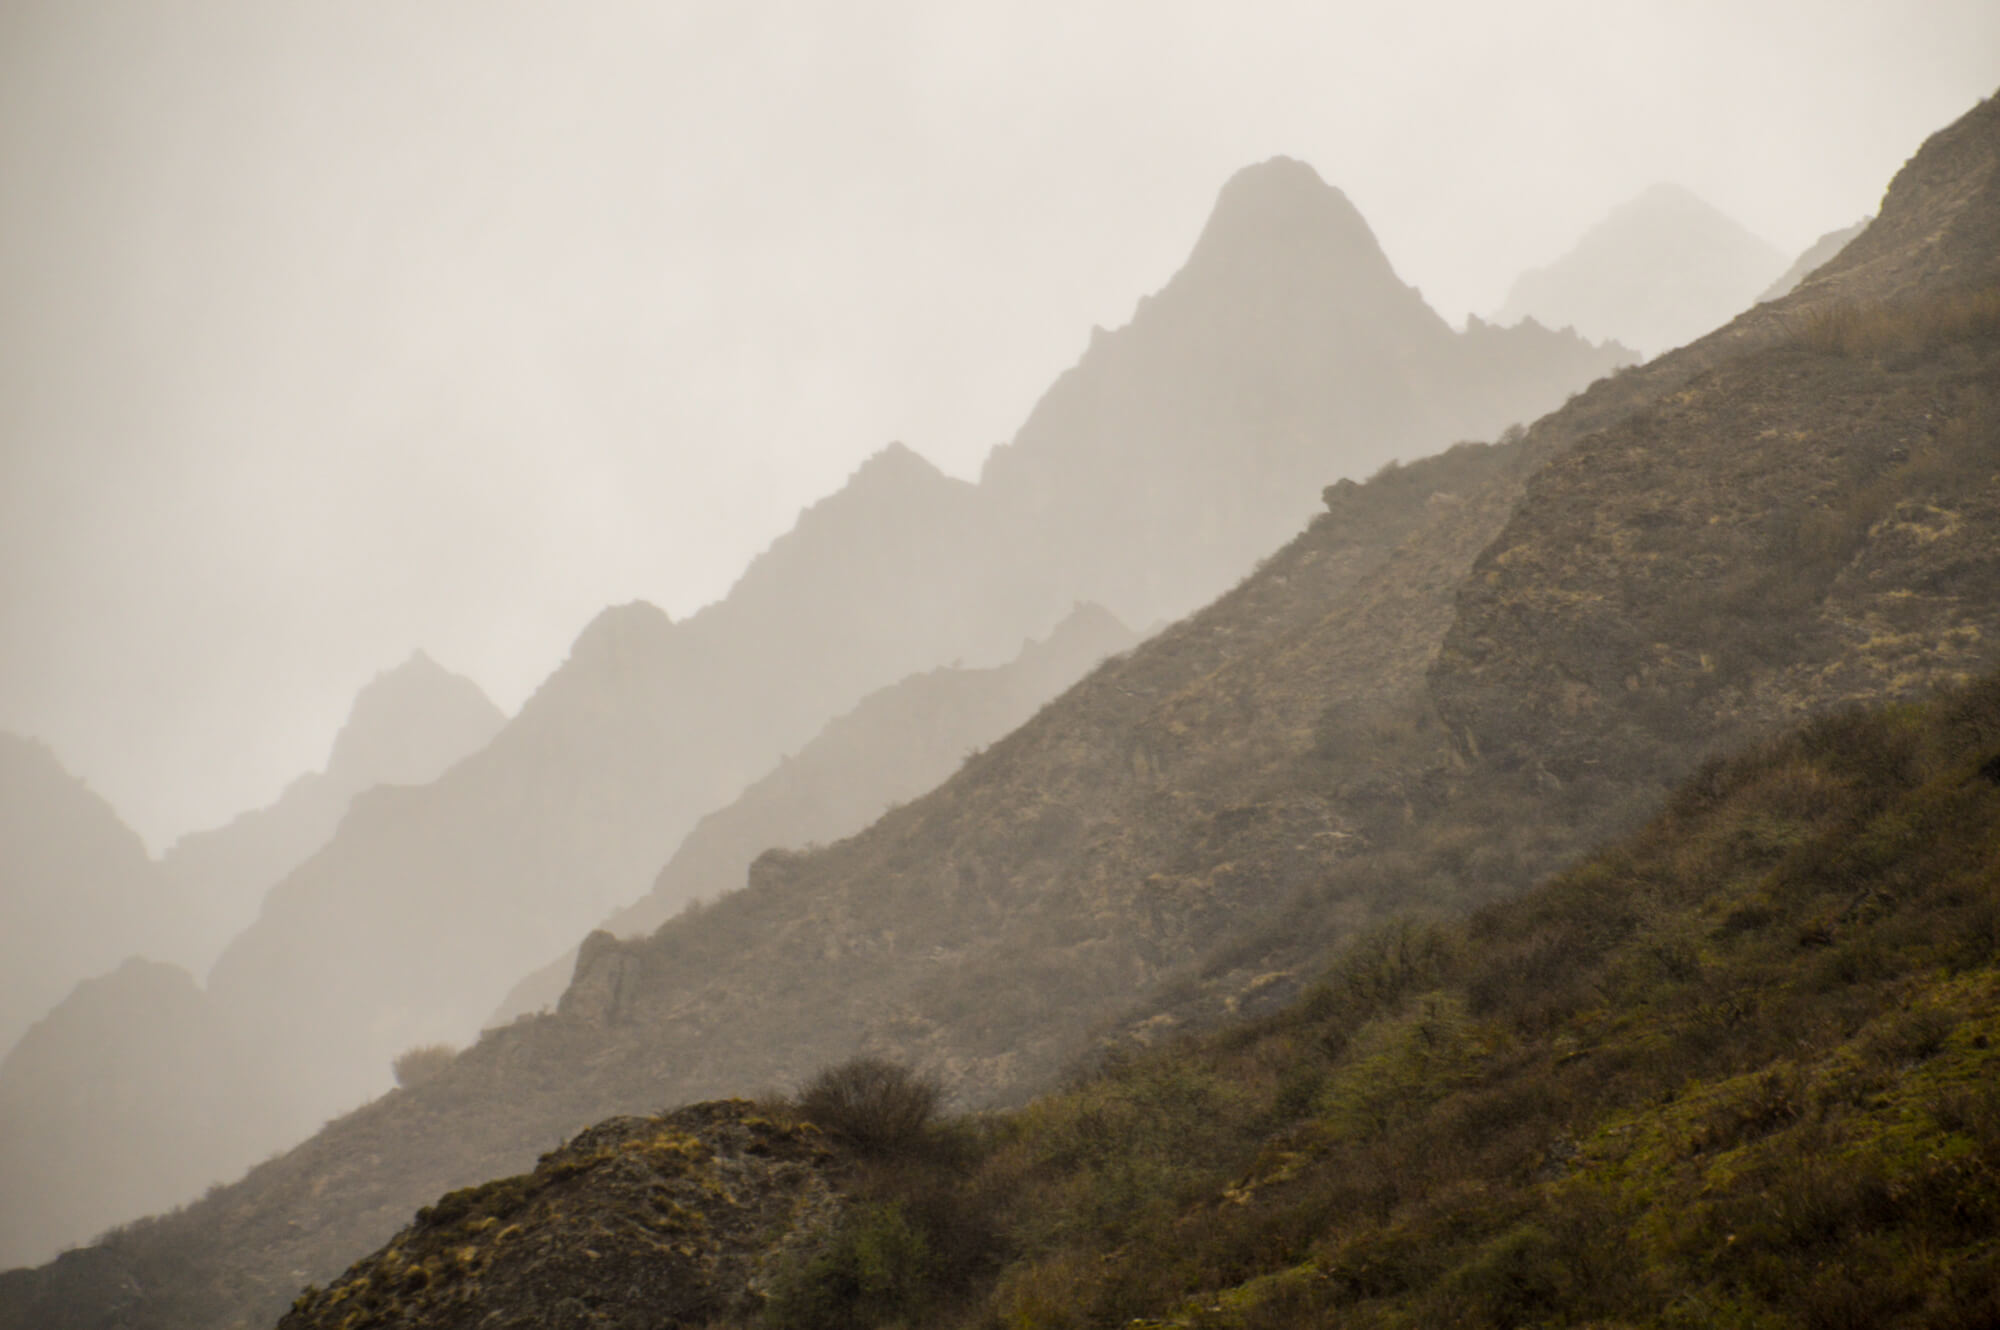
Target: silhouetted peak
column 1278, row 216
column 893, row 459
column 617, row 628
column 1088, row 621
column 409, row 723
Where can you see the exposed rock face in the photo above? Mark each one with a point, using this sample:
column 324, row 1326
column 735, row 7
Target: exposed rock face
column 678, row 1220
column 1661, row 270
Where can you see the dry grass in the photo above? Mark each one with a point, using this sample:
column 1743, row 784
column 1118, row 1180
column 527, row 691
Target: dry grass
column 1844, row 328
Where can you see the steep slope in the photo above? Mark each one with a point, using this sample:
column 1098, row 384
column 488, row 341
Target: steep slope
column 1738, row 1068
column 407, row 726
column 897, row 743
column 1659, row 271
column 78, row 893
column 1284, row 354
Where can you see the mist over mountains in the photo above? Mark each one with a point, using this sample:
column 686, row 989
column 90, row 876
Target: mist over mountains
column 1461, row 675
column 1660, row 270
column 1149, row 479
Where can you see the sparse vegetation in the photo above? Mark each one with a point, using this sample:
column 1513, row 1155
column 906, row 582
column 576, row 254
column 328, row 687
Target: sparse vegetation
column 1846, row 328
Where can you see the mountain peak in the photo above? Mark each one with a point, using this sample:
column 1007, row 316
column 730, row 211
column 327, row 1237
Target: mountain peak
column 409, row 723
column 1276, row 214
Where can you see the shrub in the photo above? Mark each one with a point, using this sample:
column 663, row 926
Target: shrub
column 875, row 1106
column 414, row 1066
column 873, row 1268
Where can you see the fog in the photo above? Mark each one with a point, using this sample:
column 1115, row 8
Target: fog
column 329, row 331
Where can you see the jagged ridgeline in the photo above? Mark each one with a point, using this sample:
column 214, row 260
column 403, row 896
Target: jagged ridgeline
column 1417, row 702
column 1177, row 451
column 1742, row 1068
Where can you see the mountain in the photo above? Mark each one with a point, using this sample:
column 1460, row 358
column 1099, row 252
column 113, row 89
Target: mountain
column 1423, row 701
column 1151, row 476
column 1816, row 255
column 1745, row 1058
column 1661, row 270
column 406, row 727
column 1284, row 354
column 897, row 743
column 78, row 892
column 130, row 1050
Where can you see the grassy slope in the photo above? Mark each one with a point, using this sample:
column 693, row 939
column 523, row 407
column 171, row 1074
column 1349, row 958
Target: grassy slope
column 1742, row 1068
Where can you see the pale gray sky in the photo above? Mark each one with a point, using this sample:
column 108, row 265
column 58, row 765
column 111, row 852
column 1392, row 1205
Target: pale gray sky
column 329, row 330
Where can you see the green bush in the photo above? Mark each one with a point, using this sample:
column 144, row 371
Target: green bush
column 873, row 1269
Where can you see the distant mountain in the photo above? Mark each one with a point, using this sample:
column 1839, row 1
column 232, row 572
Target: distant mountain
column 132, row 1050
column 1816, row 255
column 1658, row 272
column 78, row 892
column 1151, row 477
column 406, row 727
column 897, row 743
column 1286, row 353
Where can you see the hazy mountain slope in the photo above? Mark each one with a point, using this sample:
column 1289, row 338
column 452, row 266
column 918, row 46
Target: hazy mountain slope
column 1659, row 271
column 406, row 727
column 1184, row 827
column 1081, row 773
column 896, row 744
column 1744, row 1059
column 1815, row 255
column 78, row 893
column 739, row 970
column 1284, row 354
column 128, row 1054
column 429, row 903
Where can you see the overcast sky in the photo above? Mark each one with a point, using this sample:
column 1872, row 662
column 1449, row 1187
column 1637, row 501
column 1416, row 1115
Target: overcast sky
column 333, row 330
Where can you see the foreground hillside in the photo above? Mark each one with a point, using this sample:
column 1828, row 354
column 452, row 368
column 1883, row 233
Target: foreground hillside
column 1740, row 1069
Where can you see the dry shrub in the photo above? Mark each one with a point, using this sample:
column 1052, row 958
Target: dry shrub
column 875, row 1106
column 414, row 1066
